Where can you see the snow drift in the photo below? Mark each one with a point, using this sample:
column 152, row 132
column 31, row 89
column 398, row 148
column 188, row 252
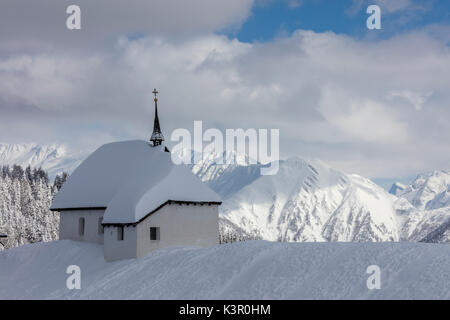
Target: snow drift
column 245, row 270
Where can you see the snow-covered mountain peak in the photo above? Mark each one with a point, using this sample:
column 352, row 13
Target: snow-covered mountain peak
column 54, row 158
column 30, row 153
column 427, row 188
column 225, row 158
column 309, row 201
column 213, row 169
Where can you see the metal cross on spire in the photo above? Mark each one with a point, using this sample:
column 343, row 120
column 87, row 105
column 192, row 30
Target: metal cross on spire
column 157, row 136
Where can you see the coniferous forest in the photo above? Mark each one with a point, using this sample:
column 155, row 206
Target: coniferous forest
column 25, row 199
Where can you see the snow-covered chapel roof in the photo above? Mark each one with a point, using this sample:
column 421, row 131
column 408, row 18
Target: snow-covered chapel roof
column 130, row 179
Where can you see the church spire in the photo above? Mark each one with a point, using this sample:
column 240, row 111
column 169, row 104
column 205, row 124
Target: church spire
column 157, row 137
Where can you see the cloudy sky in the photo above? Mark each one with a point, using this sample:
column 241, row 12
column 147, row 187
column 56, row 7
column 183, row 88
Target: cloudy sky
column 372, row 102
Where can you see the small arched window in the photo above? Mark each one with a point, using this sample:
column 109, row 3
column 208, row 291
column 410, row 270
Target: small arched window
column 100, row 226
column 81, row 226
column 120, row 233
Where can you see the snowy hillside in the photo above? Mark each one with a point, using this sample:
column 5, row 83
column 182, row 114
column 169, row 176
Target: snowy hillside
column 53, row 158
column 428, row 226
column 246, row 270
column 430, row 195
column 429, row 191
column 312, row 202
column 224, row 178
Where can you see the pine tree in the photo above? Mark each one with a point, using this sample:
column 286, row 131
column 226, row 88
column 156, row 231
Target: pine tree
column 5, row 171
column 60, row 180
column 17, row 172
column 29, row 174
column 25, row 199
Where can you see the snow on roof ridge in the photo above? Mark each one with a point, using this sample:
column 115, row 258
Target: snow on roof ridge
column 174, row 185
column 130, row 180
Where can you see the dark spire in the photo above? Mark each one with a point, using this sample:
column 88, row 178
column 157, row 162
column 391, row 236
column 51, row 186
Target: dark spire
column 157, row 137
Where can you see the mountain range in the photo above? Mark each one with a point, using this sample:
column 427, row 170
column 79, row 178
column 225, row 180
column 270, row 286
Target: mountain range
column 53, row 158
column 304, row 201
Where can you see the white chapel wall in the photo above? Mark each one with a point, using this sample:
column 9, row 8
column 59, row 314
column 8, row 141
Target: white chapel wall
column 115, row 249
column 69, row 225
column 180, row 225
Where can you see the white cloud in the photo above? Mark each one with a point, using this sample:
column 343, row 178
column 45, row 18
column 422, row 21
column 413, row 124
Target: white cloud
column 37, row 24
column 294, row 4
column 416, row 99
column 394, row 6
column 363, row 120
column 331, row 96
column 407, row 8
